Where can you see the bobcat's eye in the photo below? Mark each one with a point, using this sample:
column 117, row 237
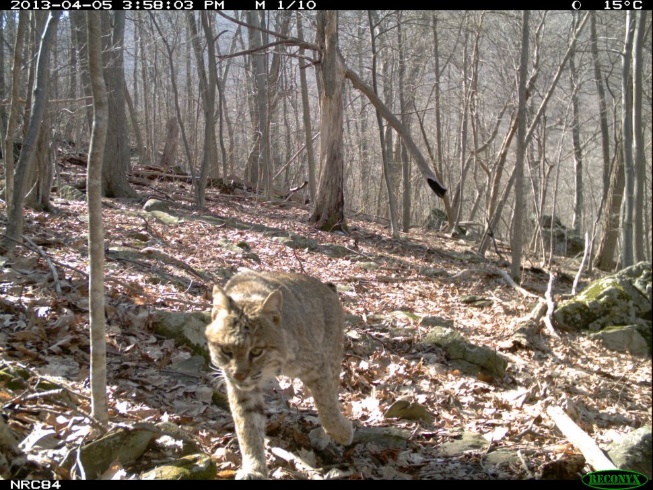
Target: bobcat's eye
column 255, row 352
column 226, row 351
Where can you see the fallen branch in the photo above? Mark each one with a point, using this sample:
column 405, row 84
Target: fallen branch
column 506, row 277
column 294, row 189
column 580, row 439
column 35, row 248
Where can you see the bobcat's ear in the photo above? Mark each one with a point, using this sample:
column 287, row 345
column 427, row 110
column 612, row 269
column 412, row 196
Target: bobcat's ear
column 272, row 305
column 220, row 301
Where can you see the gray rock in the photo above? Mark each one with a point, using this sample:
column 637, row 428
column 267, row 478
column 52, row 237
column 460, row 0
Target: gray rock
column 186, row 328
column 458, row 348
column 71, row 193
column 436, row 321
column 623, row 339
column 127, row 445
column 634, row 452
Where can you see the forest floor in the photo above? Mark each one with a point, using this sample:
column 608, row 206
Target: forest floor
column 386, row 286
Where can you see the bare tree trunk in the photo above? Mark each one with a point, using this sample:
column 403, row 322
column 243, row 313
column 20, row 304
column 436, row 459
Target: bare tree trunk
column 386, row 140
column 27, row 155
column 406, row 104
column 170, row 149
column 142, row 152
column 96, row 229
column 306, row 113
column 516, row 240
column 42, row 172
column 638, row 138
column 173, row 82
column 116, row 163
column 605, row 252
column 208, row 86
column 627, row 256
column 495, row 208
column 259, row 161
column 603, row 111
column 328, row 211
column 13, row 110
column 575, row 136
column 78, row 24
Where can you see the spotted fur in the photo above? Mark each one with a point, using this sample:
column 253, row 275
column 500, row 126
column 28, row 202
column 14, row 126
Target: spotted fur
column 266, row 324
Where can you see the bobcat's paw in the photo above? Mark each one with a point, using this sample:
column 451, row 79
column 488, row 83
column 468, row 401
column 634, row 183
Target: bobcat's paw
column 250, row 475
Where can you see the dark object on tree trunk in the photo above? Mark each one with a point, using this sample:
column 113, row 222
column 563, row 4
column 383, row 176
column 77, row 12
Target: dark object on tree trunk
column 438, row 188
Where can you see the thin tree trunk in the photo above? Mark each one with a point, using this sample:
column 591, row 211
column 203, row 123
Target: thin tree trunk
column 306, row 113
column 627, row 255
column 96, row 229
column 516, row 240
column 170, row 148
column 494, row 208
column 386, row 140
column 603, row 111
column 577, row 220
column 173, row 82
column 28, row 153
column 605, row 252
column 638, row 138
column 13, row 110
column 142, row 152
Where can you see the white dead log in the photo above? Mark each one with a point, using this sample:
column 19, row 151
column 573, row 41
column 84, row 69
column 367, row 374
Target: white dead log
column 580, row 439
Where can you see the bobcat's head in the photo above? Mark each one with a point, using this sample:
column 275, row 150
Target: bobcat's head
column 244, row 337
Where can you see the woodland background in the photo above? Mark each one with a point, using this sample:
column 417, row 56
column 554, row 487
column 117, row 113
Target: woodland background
column 538, row 124
column 222, row 95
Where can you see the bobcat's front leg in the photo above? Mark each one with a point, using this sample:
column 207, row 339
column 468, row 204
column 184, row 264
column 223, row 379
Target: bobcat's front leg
column 248, row 411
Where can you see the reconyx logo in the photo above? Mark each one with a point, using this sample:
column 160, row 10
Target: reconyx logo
column 614, row 479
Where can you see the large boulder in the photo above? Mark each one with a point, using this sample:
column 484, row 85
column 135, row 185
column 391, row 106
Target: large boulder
column 618, row 300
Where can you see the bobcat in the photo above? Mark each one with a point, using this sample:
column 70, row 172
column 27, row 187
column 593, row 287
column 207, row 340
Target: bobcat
column 266, row 324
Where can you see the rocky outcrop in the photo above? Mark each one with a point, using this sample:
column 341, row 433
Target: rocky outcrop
column 616, row 308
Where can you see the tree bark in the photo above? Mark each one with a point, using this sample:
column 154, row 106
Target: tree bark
column 603, row 111
column 386, row 140
column 627, row 255
column 516, row 240
column 577, row 220
column 605, row 252
column 170, row 148
column 306, row 114
column 328, row 211
column 639, row 159
column 116, row 163
column 13, row 110
column 96, row 229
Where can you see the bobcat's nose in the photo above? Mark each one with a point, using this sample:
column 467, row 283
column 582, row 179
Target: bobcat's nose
column 239, row 376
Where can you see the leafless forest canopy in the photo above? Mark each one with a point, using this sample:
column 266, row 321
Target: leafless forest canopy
column 204, row 91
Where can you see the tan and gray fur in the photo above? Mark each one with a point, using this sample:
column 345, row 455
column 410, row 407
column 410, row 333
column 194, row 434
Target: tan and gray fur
column 267, row 324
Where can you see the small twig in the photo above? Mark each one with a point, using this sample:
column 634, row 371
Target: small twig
column 33, row 396
column 523, row 462
column 53, row 270
column 301, row 265
column 35, row 248
column 582, row 264
column 496, row 247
